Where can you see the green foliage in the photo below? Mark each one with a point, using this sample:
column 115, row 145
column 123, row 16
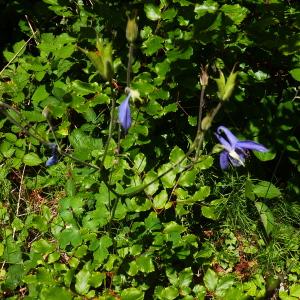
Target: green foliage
column 147, row 214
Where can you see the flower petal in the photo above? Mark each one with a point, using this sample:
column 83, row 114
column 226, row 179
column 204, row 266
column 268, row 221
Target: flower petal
column 231, row 138
column 223, row 142
column 224, row 161
column 250, row 145
column 124, row 114
column 239, row 160
column 51, row 161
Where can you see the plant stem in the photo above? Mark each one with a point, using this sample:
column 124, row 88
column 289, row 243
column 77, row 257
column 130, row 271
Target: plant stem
column 130, row 57
column 14, row 121
column 201, row 104
column 200, row 136
column 110, row 130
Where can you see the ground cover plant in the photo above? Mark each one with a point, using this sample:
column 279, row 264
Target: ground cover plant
column 149, row 149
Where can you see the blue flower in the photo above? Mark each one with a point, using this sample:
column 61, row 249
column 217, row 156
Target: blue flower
column 53, row 159
column 235, row 151
column 124, row 113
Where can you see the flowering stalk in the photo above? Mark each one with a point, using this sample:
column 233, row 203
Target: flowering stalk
column 110, row 130
column 199, row 136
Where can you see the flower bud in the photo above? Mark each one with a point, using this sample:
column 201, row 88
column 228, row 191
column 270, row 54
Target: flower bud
column 206, row 123
column 101, row 59
column 131, row 30
column 204, row 76
column 226, row 87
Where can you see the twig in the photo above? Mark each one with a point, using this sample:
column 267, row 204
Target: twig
column 14, row 57
column 19, row 197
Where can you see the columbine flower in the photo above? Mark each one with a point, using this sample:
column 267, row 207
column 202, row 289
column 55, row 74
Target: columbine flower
column 124, row 113
column 235, row 151
column 53, row 159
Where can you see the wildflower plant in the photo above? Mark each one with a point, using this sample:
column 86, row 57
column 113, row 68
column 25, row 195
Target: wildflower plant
column 132, row 208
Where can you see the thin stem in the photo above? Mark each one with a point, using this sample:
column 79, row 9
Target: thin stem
column 130, row 57
column 110, row 130
column 19, row 197
column 53, row 133
column 14, row 121
column 18, row 52
column 216, row 110
column 114, row 209
column 200, row 136
column 119, row 139
column 201, row 104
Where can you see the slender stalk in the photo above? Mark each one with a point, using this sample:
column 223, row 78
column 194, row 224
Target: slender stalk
column 110, row 130
column 199, row 136
column 130, row 58
column 201, row 104
column 128, row 81
column 18, row 52
column 53, row 133
column 14, row 121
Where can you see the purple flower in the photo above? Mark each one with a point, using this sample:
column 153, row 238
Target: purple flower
column 124, row 113
column 235, row 151
column 53, row 159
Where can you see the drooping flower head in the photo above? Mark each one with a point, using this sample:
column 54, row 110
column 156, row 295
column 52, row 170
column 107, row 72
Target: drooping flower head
column 125, row 114
column 235, row 151
column 53, row 159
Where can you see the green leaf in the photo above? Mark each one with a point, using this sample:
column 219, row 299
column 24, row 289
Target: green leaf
column 176, row 155
column 152, row 12
column 152, row 44
column 40, row 94
column 169, row 14
column 235, row 12
column 42, row 246
column 160, row 200
column 210, row 280
column 185, row 277
column 140, row 162
column 12, row 253
column 152, row 188
column 200, row 292
column 101, row 252
column 168, row 180
column 200, row 195
column 145, row 264
column 208, row 6
column 265, row 189
column 249, row 190
column 295, row 290
column 265, row 156
column 51, row 2
column 31, row 159
column 68, row 236
column 173, row 227
column 132, row 294
column 187, row 178
column 82, row 285
column 83, row 88
column 295, row 73
column 168, row 293
column 55, row 293
column 152, row 222
column 210, row 212
column 266, row 216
